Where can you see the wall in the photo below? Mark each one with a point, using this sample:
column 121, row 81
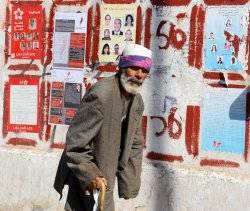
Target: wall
column 196, row 118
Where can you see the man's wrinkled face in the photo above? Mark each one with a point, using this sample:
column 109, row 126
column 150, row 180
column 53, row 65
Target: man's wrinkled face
column 117, row 25
column 132, row 79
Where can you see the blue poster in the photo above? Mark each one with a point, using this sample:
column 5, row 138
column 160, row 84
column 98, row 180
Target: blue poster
column 225, row 33
column 223, row 120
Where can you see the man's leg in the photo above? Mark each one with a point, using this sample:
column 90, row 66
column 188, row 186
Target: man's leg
column 76, row 200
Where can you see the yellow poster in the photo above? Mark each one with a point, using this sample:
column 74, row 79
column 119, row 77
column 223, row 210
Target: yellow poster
column 117, row 29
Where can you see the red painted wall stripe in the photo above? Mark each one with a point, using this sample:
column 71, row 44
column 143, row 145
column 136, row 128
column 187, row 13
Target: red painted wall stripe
column 32, row 3
column 47, row 125
column 236, row 86
column 62, row 2
column 22, row 141
column 41, row 110
column 170, row 2
column 50, row 35
column 144, row 129
column 6, row 107
column 138, row 26
column 118, row 1
column 43, row 36
column 197, row 21
column 247, row 130
column 212, row 75
column 192, row 41
column 225, row 2
column 147, row 32
column 94, row 57
column 6, row 45
column 235, row 77
column 89, row 35
column 199, row 39
column 57, row 145
column 108, row 68
column 192, row 130
column 24, row 67
column 219, row 163
column 163, row 157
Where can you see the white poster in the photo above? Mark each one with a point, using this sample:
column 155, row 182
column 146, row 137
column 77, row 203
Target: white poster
column 70, row 39
column 23, row 104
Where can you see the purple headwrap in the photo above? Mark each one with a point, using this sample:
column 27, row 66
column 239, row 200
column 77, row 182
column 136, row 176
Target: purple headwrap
column 135, row 61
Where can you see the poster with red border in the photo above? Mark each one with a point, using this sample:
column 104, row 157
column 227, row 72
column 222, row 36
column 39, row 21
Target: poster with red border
column 69, row 39
column 26, row 32
column 23, row 104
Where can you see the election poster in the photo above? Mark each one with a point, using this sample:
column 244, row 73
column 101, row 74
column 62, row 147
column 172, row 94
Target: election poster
column 117, row 28
column 70, row 39
column 226, row 108
column 23, row 101
column 66, row 93
column 26, row 32
column 225, row 38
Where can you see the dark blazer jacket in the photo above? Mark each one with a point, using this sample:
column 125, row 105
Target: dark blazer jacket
column 93, row 141
column 120, row 33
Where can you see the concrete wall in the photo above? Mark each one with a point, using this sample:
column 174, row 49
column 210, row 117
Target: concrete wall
column 196, row 118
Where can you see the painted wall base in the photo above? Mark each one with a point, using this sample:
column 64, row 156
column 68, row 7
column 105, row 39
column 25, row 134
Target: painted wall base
column 26, row 184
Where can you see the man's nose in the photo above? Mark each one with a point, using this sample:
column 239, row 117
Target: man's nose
column 139, row 74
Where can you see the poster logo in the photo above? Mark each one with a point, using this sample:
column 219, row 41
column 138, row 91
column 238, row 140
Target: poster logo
column 18, row 14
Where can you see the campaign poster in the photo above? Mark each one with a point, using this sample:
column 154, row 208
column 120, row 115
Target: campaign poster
column 70, row 39
column 66, row 93
column 225, row 108
column 117, row 28
column 23, row 104
column 225, row 38
column 26, row 31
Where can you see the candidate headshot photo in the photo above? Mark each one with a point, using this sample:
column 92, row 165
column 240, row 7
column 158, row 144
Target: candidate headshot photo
column 116, row 49
column 106, row 35
column 106, row 49
column 117, row 27
column 107, row 20
column 129, row 20
column 128, row 35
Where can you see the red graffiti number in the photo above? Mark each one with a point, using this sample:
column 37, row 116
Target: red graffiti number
column 176, row 37
column 171, row 123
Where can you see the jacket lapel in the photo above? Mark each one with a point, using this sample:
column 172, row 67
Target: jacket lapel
column 115, row 113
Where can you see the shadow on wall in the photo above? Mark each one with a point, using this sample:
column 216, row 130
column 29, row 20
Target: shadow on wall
column 239, row 110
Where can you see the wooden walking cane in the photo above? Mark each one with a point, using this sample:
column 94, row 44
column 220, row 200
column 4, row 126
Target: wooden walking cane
column 101, row 198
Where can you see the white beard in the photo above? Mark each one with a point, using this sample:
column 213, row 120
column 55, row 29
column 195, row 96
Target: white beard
column 130, row 85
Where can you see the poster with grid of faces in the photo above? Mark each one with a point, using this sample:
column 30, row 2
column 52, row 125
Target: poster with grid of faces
column 117, row 29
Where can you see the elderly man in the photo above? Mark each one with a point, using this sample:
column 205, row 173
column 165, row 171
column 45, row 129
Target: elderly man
column 104, row 140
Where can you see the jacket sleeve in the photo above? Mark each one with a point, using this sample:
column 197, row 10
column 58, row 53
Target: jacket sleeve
column 79, row 140
column 129, row 178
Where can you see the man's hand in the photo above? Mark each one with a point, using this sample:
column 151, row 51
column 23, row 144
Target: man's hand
column 97, row 183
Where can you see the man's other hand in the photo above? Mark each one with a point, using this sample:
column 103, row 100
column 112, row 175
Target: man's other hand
column 97, row 183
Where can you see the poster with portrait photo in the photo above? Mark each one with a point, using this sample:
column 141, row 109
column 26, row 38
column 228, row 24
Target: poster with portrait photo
column 27, row 32
column 225, row 37
column 117, row 28
column 65, row 96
